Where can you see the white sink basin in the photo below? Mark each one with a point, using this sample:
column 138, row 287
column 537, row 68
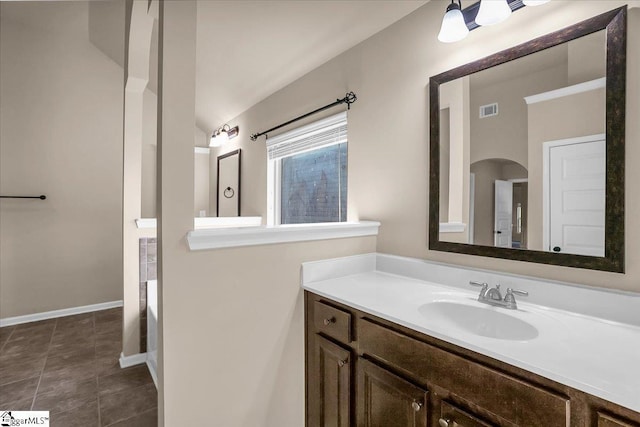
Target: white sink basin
column 486, row 321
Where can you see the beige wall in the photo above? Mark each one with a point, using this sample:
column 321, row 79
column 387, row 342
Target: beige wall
column 444, row 164
column 201, row 184
column 572, row 116
column 202, row 179
column 587, row 58
column 505, row 136
column 61, row 107
column 388, row 127
column 149, row 154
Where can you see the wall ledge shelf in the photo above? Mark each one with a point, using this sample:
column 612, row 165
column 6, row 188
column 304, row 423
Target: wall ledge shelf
column 567, row 91
column 264, row 235
column 452, row 227
column 209, row 222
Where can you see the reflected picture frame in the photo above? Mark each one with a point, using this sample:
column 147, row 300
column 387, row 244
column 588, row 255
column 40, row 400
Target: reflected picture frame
column 228, row 191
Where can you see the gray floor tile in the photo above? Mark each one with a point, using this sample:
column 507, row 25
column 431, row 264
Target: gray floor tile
column 70, row 359
column 125, row 404
column 67, row 396
column 85, row 415
column 19, row 390
column 132, row 377
column 147, row 419
column 19, row 405
column 81, row 371
column 12, row 372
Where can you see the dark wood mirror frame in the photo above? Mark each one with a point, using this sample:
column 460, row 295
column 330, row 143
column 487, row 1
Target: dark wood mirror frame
column 218, row 190
column 615, row 24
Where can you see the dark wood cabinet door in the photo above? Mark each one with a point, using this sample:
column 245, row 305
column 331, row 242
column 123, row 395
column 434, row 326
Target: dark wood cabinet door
column 386, row 400
column 329, row 387
column 605, row 420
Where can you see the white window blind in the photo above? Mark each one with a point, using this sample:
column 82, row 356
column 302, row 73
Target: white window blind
column 323, row 133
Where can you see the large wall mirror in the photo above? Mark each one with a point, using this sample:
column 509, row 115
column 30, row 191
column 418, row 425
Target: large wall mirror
column 527, row 150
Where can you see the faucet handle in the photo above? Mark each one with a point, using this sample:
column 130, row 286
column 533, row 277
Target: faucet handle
column 474, row 283
column 483, row 291
column 517, row 292
column 510, row 300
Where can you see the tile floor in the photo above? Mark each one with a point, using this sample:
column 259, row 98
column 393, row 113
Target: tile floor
column 69, row 367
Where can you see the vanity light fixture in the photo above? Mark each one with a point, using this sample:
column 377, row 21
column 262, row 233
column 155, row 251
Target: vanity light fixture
column 453, row 26
column 480, row 13
column 492, row 12
column 223, row 134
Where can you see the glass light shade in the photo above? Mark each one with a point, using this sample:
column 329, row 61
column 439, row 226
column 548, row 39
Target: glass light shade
column 214, row 142
column 453, row 27
column 492, row 12
column 223, row 136
column 534, row 2
column 218, row 140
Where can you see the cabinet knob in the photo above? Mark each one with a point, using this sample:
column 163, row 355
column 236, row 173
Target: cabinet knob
column 416, row 406
column 329, row 321
column 341, row 363
column 443, row 422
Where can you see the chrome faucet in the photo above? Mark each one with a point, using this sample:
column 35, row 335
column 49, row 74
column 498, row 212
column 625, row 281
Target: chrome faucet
column 494, row 297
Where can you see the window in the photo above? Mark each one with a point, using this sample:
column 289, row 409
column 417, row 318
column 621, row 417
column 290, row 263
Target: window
column 307, row 173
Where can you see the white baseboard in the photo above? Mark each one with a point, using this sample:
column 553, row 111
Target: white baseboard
column 9, row 321
column 134, row 359
column 153, row 373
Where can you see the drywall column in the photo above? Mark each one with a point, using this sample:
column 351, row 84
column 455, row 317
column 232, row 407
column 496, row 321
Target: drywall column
column 176, row 119
column 455, row 96
column 138, row 50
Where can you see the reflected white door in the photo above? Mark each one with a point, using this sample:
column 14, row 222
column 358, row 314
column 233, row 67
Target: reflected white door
column 577, row 198
column 503, row 213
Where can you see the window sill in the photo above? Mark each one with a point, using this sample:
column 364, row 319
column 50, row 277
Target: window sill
column 252, row 236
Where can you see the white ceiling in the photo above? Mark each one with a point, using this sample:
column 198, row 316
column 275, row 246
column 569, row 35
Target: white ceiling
column 247, row 50
column 68, row 18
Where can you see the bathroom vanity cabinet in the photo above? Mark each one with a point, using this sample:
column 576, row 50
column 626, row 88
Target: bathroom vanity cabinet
column 362, row 370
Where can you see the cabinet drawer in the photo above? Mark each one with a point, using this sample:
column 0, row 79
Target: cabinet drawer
column 332, row 321
column 605, row 420
column 450, row 416
column 514, row 400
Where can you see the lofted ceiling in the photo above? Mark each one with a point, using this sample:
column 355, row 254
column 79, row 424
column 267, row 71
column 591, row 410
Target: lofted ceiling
column 247, row 50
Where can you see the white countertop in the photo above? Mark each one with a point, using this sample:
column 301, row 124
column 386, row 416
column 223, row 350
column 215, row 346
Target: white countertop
column 592, row 354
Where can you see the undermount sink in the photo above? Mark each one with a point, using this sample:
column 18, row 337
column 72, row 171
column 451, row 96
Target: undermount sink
column 485, row 321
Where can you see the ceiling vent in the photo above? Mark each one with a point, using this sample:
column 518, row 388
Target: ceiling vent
column 489, row 110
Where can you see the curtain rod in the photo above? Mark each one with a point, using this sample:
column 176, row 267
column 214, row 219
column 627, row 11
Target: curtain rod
column 42, row 197
column 349, row 99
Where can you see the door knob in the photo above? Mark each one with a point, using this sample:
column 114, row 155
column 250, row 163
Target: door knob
column 416, row 406
column 443, row 422
column 498, row 232
column 329, row 321
column 341, row 363
column 556, row 249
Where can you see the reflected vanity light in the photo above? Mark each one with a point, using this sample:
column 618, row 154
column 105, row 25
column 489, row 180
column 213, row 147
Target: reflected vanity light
column 222, row 135
column 457, row 22
column 453, row 26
